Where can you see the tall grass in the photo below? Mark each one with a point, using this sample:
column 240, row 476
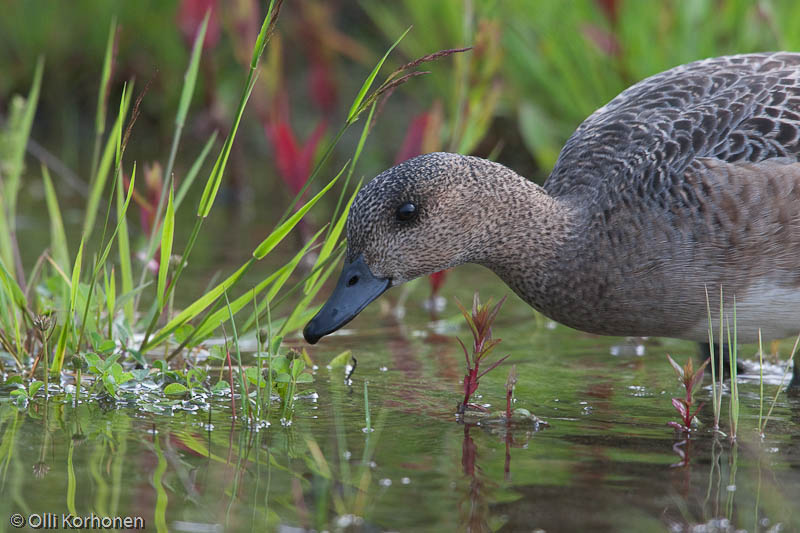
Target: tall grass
column 733, row 356
column 103, row 314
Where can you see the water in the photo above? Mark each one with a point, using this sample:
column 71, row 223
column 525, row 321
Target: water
column 607, row 461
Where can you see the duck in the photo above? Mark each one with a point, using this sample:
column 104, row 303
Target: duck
column 682, row 190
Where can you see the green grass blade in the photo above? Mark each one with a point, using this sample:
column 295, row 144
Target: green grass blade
column 277, row 279
column 104, row 168
column 6, row 242
column 121, row 216
column 110, row 288
column 298, row 317
column 263, row 35
column 123, row 247
column 215, row 179
column 105, row 77
column 58, row 237
column 356, row 109
column 277, row 235
column 356, row 156
column 331, row 240
column 186, row 183
column 12, row 288
column 240, row 374
column 166, row 249
column 197, row 306
column 190, row 78
column 69, row 320
column 21, row 133
column 189, row 82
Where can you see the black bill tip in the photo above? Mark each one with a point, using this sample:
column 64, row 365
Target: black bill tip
column 356, row 288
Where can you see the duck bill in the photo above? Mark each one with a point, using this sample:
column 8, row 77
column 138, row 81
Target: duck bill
column 356, row 288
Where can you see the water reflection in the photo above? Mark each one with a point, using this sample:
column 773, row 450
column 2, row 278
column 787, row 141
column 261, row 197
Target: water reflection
column 608, row 462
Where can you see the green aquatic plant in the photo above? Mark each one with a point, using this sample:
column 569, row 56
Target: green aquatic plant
column 23, row 394
column 690, row 379
column 479, row 320
column 733, row 358
column 108, row 372
column 288, row 371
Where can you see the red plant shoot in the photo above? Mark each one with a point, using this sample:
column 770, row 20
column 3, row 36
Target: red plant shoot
column 690, row 379
column 480, row 324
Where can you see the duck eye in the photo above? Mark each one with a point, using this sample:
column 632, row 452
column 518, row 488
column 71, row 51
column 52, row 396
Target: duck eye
column 406, row 212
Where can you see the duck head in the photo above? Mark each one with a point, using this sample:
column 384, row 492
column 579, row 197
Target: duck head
column 412, row 220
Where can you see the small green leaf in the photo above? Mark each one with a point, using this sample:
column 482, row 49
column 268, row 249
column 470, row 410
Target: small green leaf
column 280, row 364
column 283, row 378
column 93, row 360
column 140, row 374
column 221, row 386
column 34, row 387
column 217, row 351
column 305, row 377
column 106, row 346
column 175, row 389
column 275, row 344
column 183, row 332
column 340, row 360
column 298, row 365
column 254, row 376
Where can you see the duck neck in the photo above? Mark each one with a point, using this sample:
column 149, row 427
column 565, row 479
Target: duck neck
column 528, row 244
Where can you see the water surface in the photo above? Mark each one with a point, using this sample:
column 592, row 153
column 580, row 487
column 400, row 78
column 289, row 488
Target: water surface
column 607, row 461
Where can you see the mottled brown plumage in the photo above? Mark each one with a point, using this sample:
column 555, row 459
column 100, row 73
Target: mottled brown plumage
column 688, row 180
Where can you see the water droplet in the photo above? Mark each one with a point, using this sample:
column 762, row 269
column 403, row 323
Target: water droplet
column 731, row 488
column 405, row 480
column 386, row 482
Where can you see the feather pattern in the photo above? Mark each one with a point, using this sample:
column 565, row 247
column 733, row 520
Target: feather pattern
column 732, row 108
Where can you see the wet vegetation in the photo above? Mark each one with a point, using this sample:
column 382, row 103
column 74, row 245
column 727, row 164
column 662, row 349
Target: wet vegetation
column 166, row 231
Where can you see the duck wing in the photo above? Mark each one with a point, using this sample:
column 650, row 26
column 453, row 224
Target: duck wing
column 638, row 147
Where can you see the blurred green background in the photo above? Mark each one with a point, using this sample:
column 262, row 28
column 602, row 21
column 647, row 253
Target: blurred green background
column 537, row 68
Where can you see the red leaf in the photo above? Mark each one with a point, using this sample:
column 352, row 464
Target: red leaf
column 675, row 366
column 493, row 365
column 676, row 425
column 680, row 406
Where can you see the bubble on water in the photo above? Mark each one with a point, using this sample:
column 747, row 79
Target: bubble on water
column 385, row 482
column 405, row 480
